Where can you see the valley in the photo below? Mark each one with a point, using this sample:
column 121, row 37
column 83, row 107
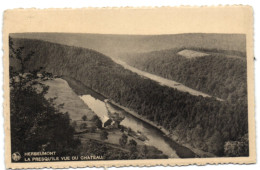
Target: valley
column 77, row 107
column 125, row 100
column 163, row 81
column 208, row 72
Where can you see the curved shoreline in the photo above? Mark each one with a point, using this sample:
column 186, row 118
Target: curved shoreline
column 181, row 150
column 163, row 81
column 165, row 132
column 82, row 89
column 133, row 113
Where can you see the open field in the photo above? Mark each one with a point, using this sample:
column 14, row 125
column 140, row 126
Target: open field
column 72, row 103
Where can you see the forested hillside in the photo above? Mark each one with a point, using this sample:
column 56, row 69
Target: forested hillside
column 114, row 45
column 220, row 73
column 204, row 122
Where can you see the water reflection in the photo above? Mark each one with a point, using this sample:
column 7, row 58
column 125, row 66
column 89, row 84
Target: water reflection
column 155, row 137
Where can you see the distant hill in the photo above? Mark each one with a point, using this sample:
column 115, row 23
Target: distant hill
column 116, row 45
column 194, row 119
column 220, row 73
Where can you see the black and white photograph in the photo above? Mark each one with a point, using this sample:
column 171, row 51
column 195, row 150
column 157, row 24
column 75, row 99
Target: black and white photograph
column 103, row 97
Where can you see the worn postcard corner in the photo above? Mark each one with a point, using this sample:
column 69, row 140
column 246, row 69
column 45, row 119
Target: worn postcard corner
column 131, row 87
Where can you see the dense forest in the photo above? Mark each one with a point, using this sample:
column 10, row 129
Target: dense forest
column 205, row 123
column 40, row 128
column 38, row 125
column 221, row 73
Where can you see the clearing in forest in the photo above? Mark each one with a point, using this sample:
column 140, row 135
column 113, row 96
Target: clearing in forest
column 191, row 53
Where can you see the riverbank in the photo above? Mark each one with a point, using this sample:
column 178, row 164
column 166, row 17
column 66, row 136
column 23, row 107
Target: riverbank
column 181, row 151
column 133, row 113
column 185, row 152
column 197, row 152
column 163, row 81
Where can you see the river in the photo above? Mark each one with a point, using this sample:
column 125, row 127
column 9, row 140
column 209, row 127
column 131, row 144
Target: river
column 161, row 80
column 154, row 135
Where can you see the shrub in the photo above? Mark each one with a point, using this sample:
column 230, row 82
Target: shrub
column 123, row 140
column 84, row 118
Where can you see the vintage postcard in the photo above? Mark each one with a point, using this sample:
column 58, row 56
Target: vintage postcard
column 102, row 87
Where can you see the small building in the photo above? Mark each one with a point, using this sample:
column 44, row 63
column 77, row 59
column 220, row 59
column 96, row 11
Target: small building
column 107, row 122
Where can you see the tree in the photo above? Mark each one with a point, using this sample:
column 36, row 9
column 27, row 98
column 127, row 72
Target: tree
column 132, row 143
column 237, row 148
column 122, row 128
column 36, row 122
column 123, row 140
column 133, row 146
column 84, row 118
column 103, row 135
column 98, row 123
